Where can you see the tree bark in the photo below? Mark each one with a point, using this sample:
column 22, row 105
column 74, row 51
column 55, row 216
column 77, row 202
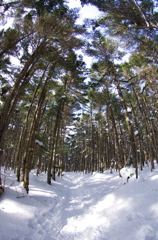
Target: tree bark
column 54, row 139
column 26, row 158
column 129, row 127
column 14, row 96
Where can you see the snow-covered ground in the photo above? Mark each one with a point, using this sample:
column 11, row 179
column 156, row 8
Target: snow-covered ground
column 81, row 207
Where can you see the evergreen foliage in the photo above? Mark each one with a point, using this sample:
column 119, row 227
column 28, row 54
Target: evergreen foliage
column 50, row 117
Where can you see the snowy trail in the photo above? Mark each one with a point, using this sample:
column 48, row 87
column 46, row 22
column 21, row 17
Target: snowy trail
column 82, row 219
column 71, row 216
column 77, row 207
column 76, row 213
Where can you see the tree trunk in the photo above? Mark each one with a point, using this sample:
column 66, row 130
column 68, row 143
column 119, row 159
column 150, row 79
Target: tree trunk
column 26, row 158
column 54, row 139
column 148, row 129
column 14, row 96
column 129, row 127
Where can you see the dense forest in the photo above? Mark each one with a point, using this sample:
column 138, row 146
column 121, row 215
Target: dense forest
column 55, row 113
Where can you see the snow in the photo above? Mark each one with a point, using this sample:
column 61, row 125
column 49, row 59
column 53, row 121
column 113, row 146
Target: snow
column 142, row 86
column 39, row 142
column 136, row 132
column 127, row 172
column 81, row 207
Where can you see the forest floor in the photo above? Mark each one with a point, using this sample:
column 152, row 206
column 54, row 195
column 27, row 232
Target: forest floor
column 81, row 207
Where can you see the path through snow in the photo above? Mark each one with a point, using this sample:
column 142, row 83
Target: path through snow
column 76, row 213
column 77, row 207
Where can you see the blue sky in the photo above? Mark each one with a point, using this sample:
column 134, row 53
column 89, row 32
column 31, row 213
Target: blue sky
column 88, row 11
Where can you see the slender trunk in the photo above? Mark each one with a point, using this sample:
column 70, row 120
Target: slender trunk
column 26, row 158
column 38, row 165
column 140, row 145
column 53, row 141
column 92, row 139
column 148, row 130
column 23, row 135
column 142, row 13
column 129, row 127
column 19, row 86
column 116, row 138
